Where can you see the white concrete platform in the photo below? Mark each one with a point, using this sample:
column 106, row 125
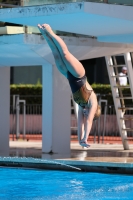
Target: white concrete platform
column 32, row 50
column 107, row 22
column 99, row 157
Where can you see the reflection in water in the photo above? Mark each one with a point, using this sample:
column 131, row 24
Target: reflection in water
column 81, row 155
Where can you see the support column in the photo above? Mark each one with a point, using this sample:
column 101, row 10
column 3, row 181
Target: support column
column 56, row 111
column 4, row 110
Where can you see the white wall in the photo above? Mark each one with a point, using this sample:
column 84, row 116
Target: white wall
column 4, row 110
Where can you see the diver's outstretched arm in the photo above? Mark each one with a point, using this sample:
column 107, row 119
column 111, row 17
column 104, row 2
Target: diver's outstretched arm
column 80, row 124
column 82, row 132
column 88, row 120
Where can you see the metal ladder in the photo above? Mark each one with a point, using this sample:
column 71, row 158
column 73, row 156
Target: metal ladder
column 118, row 96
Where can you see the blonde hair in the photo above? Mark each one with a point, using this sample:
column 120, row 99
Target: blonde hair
column 98, row 112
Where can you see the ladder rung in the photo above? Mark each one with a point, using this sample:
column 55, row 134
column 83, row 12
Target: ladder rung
column 118, row 76
column 127, row 129
column 124, row 97
column 116, row 65
column 125, row 108
column 121, row 86
column 126, row 118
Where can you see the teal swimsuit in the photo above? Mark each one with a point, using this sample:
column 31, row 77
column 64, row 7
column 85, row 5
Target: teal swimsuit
column 81, row 94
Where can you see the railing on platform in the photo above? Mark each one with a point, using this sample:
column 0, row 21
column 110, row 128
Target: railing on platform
column 107, row 131
column 33, row 125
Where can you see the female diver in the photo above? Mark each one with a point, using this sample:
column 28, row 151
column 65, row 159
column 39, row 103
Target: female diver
column 73, row 70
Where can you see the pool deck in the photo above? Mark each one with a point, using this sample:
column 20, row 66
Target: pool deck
column 99, row 157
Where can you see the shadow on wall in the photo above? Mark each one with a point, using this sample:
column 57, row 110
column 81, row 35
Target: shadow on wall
column 95, row 67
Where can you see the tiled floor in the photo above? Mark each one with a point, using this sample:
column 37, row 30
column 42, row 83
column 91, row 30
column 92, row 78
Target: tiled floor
column 96, row 153
column 107, row 158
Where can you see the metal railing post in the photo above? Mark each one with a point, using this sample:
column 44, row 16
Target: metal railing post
column 17, row 117
column 24, row 118
column 105, row 115
column 15, row 97
column 99, row 102
column 16, row 112
column 99, row 120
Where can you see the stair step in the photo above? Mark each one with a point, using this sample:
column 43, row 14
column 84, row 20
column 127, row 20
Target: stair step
column 118, row 76
column 127, row 129
column 126, row 118
column 125, row 108
column 124, row 97
column 121, row 86
column 116, row 65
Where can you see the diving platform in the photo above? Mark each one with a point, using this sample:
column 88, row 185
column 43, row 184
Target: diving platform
column 100, row 30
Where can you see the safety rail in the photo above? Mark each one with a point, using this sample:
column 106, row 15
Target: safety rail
column 106, row 131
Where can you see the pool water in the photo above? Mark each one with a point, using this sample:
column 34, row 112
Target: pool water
column 29, row 184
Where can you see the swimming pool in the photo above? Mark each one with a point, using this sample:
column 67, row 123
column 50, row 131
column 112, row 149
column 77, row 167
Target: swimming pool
column 32, row 184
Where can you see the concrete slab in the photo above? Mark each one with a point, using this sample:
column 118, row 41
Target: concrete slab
column 32, row 50
column 104, row 21
column 110, row 158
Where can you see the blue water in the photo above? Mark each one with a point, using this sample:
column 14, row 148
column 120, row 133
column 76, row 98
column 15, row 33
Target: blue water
column 26, row 184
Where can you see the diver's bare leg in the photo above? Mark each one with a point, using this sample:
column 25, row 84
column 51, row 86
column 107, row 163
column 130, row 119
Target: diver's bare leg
column 72, row 64
column 58, row 58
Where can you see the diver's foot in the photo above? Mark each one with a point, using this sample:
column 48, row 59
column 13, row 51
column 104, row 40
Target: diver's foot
column 47, row 28
column 42, row 29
